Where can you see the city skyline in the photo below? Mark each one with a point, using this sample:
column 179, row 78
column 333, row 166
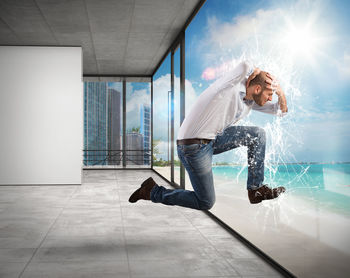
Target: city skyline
column 103, row 125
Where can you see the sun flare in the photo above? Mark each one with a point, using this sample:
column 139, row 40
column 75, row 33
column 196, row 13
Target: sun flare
column 302, row 40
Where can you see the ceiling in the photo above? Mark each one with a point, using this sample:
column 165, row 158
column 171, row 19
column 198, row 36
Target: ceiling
column 118, row 37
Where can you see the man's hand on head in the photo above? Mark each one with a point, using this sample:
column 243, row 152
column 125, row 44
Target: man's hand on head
column 273, row 84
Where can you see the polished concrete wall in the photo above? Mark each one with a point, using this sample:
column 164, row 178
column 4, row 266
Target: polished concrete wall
column 41, row 115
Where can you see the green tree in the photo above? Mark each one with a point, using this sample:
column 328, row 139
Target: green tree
column 135, row 129
column 155, row 150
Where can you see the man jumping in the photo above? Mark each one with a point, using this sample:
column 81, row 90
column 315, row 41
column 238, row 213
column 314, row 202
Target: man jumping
column 209, row 130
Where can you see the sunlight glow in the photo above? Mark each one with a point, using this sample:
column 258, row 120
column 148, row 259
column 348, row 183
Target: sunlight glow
column 302, row 41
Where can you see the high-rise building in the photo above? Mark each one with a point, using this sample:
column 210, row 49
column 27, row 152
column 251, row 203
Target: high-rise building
column 145, row 130
column 134, row 147
column 95, row 123
column 102, row 124
column 114, row 127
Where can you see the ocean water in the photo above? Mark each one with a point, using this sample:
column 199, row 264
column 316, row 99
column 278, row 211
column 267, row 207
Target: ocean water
column 326, row 185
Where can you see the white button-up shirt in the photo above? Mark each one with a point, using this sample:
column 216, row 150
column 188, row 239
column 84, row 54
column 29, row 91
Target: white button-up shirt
column 222, row 105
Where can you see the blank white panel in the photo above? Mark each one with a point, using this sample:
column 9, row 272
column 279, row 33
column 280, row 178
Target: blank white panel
column 41, row 115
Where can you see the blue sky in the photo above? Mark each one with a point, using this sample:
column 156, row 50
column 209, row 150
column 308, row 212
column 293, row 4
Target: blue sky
column 305, row 44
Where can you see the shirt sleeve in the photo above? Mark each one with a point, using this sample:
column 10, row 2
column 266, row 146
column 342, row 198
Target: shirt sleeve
column 250, row 69
column 241, row 72
column 269, row 108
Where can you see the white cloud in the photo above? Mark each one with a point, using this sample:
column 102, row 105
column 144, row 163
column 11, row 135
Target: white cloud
column 246, row 36
column 137, row 98
column 211, row 73
column 243, row 28
column 134, row 100
column 344, row 65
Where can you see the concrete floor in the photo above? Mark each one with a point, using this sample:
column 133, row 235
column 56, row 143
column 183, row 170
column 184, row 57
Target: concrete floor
column 92, row 231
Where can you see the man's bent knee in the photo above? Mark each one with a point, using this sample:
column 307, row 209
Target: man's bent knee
column 206, row 205
column 260, row 133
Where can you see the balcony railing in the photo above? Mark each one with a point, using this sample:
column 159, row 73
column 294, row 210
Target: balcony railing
column 117, row 157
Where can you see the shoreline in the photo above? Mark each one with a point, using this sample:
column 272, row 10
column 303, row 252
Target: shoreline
column 289, row 163
column 225, row 183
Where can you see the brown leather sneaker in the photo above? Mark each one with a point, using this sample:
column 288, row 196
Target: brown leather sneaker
column 264, row 193
column 144, row 192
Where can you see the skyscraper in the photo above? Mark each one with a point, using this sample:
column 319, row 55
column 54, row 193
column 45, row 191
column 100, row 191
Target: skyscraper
column 145, row 130
column 134, row 147
column 114, row 125
column 95, row 123
column 102, row 124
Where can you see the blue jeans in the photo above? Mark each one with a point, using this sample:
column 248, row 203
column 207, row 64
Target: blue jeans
column 197, row 159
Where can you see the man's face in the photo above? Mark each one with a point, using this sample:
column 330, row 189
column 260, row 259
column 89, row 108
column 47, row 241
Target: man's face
column 263, row 96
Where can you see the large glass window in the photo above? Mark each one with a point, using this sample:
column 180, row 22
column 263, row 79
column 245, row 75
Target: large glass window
column 102, row 124
column 176, row 113
column 305, row 45
column 161, row 119
column 138, row 124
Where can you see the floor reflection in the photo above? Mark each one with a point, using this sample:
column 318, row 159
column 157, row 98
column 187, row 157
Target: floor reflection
column 303, row 236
